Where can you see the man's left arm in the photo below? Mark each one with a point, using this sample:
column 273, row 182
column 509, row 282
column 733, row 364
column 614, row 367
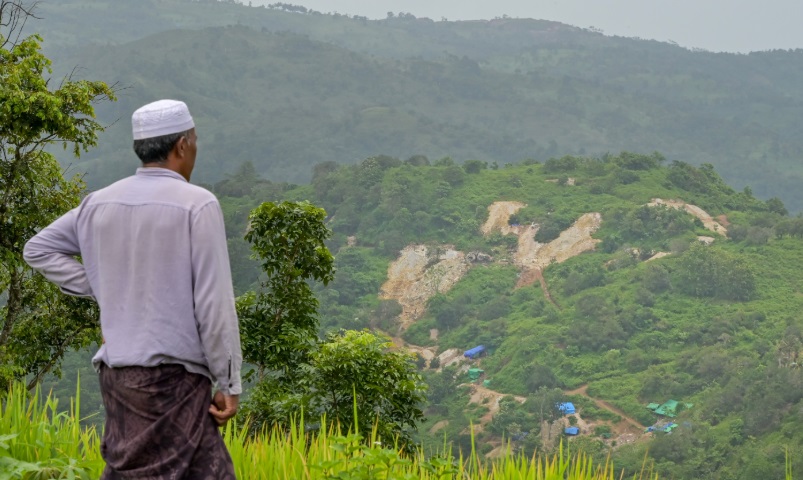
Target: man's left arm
column 52, row 253
column 215, row 313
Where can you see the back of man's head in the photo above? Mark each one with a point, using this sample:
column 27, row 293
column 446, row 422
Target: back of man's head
column 157, row 127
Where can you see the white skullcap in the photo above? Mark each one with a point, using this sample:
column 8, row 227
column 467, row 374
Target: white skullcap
column 162, row 117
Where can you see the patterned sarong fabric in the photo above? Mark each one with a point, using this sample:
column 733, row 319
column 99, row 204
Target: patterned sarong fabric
column 158, row 426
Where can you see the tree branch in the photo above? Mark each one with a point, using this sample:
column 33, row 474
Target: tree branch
column 13, row 16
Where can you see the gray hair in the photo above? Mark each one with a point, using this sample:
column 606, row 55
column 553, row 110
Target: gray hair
column 156, row 149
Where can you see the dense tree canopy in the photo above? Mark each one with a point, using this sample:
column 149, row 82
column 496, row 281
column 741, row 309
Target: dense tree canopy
column 346, row 373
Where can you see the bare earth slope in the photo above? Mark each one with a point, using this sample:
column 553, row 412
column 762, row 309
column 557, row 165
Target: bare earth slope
column 418, row 274
column 532, row 257
column 498, row 215
column 698, row 212
column 421, row 271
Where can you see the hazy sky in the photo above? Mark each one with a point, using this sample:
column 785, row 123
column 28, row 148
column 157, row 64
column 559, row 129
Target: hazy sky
column 716, row 25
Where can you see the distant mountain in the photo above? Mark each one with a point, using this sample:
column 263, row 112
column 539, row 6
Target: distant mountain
column 287, row 90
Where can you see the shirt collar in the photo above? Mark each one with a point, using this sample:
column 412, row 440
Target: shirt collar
column 159, row 172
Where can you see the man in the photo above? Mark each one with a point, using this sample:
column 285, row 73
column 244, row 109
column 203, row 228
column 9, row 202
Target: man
column 154, row 257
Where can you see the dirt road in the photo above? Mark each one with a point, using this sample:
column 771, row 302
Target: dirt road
column 479, row 394
column 606, row 406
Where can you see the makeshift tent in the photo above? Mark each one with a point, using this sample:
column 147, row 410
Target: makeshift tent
column 566, row 408
column 572, row 430
column 668, row 409
column 474, row 352
column 475, row 373
column 486, row 383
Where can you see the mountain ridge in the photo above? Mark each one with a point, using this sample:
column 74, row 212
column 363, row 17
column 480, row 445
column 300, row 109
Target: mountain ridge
column 501, row 90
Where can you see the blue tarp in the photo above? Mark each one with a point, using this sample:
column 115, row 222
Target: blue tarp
column 664, row 428
column 572, row 431
column 567, row 408
column 474, row 352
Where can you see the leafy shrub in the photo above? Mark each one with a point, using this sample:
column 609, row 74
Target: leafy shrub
column 563, row 164
column 551, row 227
column 474, row 166
column 602, row 431
column 626, row 177
column 645, row 298
column 698, row 180
column 657, row 222
column 656, row 278
column 792, row 227
column 750, row 235
column 708, row 271
column 418, row 333
column 634, row 161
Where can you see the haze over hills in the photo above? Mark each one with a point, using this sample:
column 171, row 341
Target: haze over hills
column 716, row 25
column 287, row 90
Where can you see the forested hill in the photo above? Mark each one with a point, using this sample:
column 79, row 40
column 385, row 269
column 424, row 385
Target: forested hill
column 612, row 282
column 288, row 90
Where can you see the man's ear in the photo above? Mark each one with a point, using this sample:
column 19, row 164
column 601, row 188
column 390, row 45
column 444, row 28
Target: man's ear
column 181, row 146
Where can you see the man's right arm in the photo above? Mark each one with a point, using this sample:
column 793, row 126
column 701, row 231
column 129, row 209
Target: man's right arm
column 52, row 253
column 215, row 313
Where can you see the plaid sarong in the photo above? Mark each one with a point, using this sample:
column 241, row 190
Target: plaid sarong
column 158, row 426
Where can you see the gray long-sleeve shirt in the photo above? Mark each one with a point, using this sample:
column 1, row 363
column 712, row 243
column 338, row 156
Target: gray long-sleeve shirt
column 154, row 257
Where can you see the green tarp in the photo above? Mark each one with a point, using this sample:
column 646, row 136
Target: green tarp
column 668, row 409
column 474, row 373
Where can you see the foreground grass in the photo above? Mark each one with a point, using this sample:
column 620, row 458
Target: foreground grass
column 38, row 442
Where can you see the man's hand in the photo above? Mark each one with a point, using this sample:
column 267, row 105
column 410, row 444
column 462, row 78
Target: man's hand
column 224, row 407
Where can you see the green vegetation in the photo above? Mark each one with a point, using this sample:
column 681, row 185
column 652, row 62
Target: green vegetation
column 37, row 324
column 717, row 326
column 38, row 442
column 350, row 373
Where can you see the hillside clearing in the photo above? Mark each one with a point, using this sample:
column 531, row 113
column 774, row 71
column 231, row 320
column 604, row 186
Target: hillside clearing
column 694, row 210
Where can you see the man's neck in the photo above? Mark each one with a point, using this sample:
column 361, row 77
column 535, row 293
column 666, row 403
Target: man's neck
column 167, row 166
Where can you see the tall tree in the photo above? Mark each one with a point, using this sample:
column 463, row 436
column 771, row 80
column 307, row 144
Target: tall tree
column 279, row 323
column 297, row 372
column 37, row 324
column 544, row 404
